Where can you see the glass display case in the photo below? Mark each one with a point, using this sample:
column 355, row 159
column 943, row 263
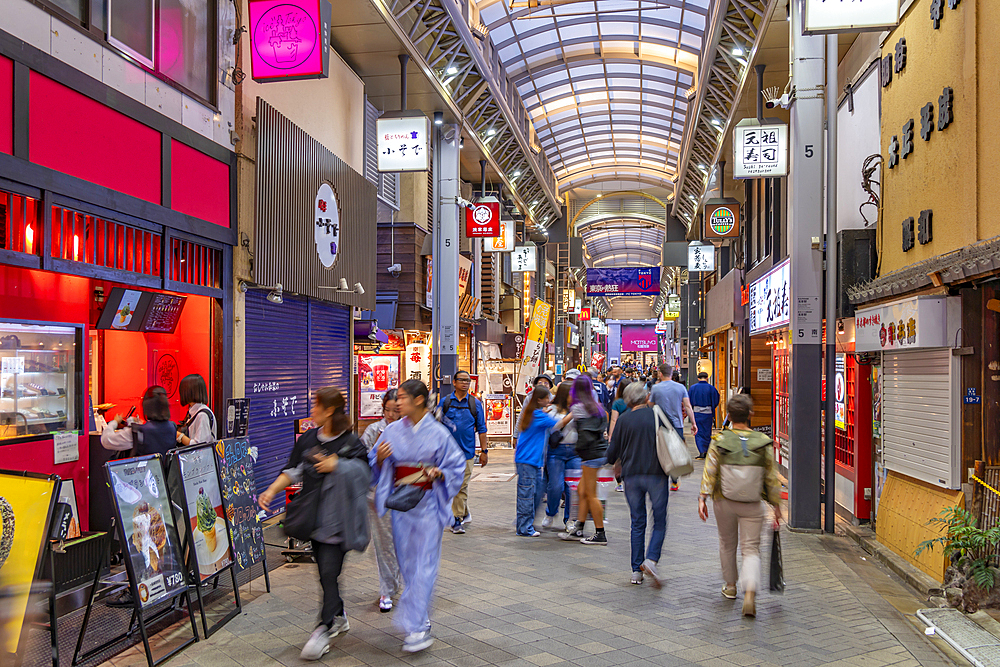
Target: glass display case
column 38, row 379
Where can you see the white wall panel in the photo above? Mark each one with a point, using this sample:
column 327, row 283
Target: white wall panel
column 76, row 49
column 857, row 138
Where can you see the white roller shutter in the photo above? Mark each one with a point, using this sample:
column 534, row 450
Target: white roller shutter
column 920, row 415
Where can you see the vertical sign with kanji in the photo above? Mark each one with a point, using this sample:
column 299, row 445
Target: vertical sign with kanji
column 403, row 143
column 760, row 151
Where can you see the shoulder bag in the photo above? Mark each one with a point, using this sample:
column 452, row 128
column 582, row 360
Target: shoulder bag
column 301, row 513
column 407, row 493
column 675, row 459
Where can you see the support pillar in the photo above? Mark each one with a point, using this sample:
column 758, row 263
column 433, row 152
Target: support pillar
column 446, row 179
column 805, row 185
column 830, row 445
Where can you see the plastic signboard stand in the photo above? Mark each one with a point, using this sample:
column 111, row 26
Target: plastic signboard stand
column 139, row 619
column 236, row 463
column 192, row 563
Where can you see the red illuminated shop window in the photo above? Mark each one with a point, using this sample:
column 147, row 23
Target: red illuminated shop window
column 195, row 264
column 846, row 441
column 782, row 403
column 89, row 239
column 20, row 219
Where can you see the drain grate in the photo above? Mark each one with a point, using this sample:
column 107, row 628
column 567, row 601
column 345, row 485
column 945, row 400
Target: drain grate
column 970, row 639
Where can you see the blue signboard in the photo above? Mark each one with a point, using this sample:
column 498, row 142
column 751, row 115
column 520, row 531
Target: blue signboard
column 624, row 282
column 971, row 397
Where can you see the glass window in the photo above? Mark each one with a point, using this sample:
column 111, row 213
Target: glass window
column 130, row 28
column 75, row 8
column 185, row 40
column 38, row 392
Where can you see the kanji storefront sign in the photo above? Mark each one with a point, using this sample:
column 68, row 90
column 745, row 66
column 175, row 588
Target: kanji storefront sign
column 483, row 219
column 760, row 151
column 701, row 258
column 289, row 39
column 503, row 241
column 911, row 323
column 770, row 300
column 403, row 143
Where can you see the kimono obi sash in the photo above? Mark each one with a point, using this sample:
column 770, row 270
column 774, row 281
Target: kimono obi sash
column 412, row 474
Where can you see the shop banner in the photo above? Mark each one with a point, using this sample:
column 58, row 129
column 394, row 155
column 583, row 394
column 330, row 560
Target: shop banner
column 464, row 271
column 597, row 360
column 377, row 373
column 902, row 325
column 643, row 281
column 397, row 341
column 769, row 300
column 482, row 220
column 414, row 337
column 638, row 338
column 663, row 352
column 148, row 531
column 25, row 509
column 418, row 362
column 534, row 345
column 203, row 497
column 429, row 283
column 499, row 414
column 840, row 395
column 239, row 491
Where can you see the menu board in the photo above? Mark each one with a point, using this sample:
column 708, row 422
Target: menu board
column 25, row 507
column 147, row 526
column 203, row 498
column 499, row 412
column 239, row 494
column 137, row 310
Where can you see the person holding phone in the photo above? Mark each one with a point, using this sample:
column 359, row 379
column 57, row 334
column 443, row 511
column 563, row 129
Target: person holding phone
column 156, row 436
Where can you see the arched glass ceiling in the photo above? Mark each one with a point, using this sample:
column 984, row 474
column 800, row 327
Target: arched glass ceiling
column 605, row 81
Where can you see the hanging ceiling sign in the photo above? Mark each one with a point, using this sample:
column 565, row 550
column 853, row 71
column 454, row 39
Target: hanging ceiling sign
column 760, row 151
column 673, row 310
column 504, row 240
column 403, row 143
column 769, row 300
column 722, row 220
column 483, row 219
column 290, row 39
column 701, row 258
column 584, row 315
column 524, row 258
column 833, row 16
column 643, row 281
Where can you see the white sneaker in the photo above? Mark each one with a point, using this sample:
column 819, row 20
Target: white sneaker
column 637, row 578
column 318, row 644
column 417, row 641
column 547, row 522
column 649, row 567
column 340, row 626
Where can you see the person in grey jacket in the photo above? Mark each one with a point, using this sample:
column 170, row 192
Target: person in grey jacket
column 332, row 457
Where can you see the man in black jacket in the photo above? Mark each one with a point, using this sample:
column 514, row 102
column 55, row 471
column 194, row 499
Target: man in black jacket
column 633, row 446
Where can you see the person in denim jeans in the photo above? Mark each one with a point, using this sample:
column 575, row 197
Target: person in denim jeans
column 633, row 445
column 534, row 427
column 559, row 460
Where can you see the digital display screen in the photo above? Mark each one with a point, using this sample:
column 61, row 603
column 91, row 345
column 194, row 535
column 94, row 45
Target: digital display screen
column 137, row 310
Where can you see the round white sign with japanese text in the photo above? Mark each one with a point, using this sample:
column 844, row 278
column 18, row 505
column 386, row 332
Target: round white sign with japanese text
column 327, row 221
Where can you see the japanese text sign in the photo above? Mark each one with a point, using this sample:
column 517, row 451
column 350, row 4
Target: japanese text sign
column 769, row 300
column 534, row 345
column 504, row 241
column 524, row 258
column 483, row 219
column 290, row 39
column 919, row 322
column 403, row 143
column 701, row 258
column 831, row 16
column 760, row 151
column 644, row 281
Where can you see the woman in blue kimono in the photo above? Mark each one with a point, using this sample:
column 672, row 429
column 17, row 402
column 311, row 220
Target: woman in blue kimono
column 417, row 442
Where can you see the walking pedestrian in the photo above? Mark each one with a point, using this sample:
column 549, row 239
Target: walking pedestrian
column 464, row 415
column 199, row 423
column 591, row 421
column 704, row 400
column 389, row 581
column 560, row 458
column 633, row 445
column 332, row 459
column 533, row 426
column 618, row 406
column 672, row 398
column 740, row 473
column 599, row 387
column 417, row 443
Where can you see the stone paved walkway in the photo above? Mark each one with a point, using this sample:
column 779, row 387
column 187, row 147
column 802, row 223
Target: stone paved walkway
column 505, row 600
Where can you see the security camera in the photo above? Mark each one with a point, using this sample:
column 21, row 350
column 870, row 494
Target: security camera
column 395, row 270
column 772, row 99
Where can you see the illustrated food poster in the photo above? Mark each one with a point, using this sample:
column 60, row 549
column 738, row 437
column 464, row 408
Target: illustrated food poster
column 376, row 375
column 204, row 507
column 499, row 408
column 239, row 494
column 140, row 490
column 25, row 504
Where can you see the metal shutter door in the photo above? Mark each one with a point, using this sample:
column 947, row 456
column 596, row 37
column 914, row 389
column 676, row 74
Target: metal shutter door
column 919, row 393
column 277, row 380
column 330, row 347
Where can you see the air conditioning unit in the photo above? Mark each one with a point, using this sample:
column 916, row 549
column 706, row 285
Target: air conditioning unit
column 857, row 262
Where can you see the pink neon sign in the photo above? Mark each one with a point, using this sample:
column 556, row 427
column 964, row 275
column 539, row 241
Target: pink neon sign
column 289, row 39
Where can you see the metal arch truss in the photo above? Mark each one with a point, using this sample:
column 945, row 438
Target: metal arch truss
column 736, row 26
column 468, row 74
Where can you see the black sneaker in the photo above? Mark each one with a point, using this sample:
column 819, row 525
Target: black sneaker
column 600, row 539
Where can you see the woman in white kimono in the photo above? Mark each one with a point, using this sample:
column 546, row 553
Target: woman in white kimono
column 414, row 443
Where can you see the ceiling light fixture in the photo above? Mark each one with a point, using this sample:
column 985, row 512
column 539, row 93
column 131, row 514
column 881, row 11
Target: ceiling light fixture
column 439, row 118
column 517, row 173
column 737, row 51
column 454, row 70
column 490, row 132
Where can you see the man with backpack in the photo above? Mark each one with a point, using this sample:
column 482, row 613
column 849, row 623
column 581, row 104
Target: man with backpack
column 739, row 474
column 463, row 414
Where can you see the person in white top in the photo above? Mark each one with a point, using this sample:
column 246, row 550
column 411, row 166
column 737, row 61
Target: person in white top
column 199, row 424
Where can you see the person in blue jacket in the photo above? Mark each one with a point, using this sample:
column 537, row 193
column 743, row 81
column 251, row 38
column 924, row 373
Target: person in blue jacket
column 463, row 414
column 534, row 427
column 704, row 399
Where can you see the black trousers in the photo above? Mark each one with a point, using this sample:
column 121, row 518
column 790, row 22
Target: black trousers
column 330, row 559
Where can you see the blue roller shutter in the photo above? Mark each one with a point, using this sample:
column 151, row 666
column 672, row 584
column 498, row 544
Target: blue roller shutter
column 277, row 379
column 330, row 346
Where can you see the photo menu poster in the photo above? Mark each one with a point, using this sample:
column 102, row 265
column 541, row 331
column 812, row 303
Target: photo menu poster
column 25, row 508
column 203, row 498
column 239, row 494
column 147, row 524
